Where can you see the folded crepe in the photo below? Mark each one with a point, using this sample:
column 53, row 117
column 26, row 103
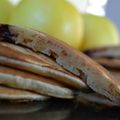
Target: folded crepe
column 91, row 73
column 113, row 51
column 7, row 93
column 24, row 59
column 83, row 97
column 106, row 56
column 27, row 81
column 24, row 81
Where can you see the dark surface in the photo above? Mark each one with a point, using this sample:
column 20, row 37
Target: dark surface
column 55, row 110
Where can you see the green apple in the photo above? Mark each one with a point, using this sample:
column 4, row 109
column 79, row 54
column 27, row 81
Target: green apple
column 99, row 32
column 55, row 17
column 5, row 10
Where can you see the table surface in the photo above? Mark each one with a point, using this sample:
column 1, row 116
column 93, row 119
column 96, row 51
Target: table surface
column 55, row 110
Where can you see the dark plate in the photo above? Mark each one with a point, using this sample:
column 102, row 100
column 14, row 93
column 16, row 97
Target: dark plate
column 55, row 110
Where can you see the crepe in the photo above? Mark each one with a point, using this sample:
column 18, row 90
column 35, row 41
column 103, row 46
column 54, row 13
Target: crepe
column 113, row 63
column 115, row 73
column 27, row 81
column 25, row 59
column 8, row 93
column 92, row 98
column 112, row 51
column 106, row 56
column 94, row 75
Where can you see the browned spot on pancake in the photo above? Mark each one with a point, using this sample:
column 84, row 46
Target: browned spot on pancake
column 64, row 53
column 53, row 55
column 82, row 75
column 24, row 74
column 5, row 33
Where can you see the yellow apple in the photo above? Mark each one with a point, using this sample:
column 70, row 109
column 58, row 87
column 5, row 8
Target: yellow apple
column 5, row 10
column 55, row 17
column 99, row 32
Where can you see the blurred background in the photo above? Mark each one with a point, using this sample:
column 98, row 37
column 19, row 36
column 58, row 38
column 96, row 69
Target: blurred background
column 111, row 8
column 83, row 24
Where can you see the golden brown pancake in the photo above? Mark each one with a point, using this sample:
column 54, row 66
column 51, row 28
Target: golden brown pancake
column 94, row 75
column 28, row 81
column 24, row 59
column 111, row 51
column 8, row 93
column 94, row 99
column 109, row 62
column 106, row 56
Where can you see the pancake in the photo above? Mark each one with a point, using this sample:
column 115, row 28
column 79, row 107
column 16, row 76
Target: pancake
column 115, row 73
column 25, row 59
column 8, row 93
column 27, row 81
column 94, row 75
column 94, row 99
column 109, row 62
column 106, row 56
column 113, row 51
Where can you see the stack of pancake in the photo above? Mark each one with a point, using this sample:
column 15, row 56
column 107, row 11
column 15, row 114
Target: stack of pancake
column 36, row 66
column 109, row 57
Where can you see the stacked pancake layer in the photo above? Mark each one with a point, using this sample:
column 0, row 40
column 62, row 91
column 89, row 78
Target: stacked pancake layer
column 31, row 61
